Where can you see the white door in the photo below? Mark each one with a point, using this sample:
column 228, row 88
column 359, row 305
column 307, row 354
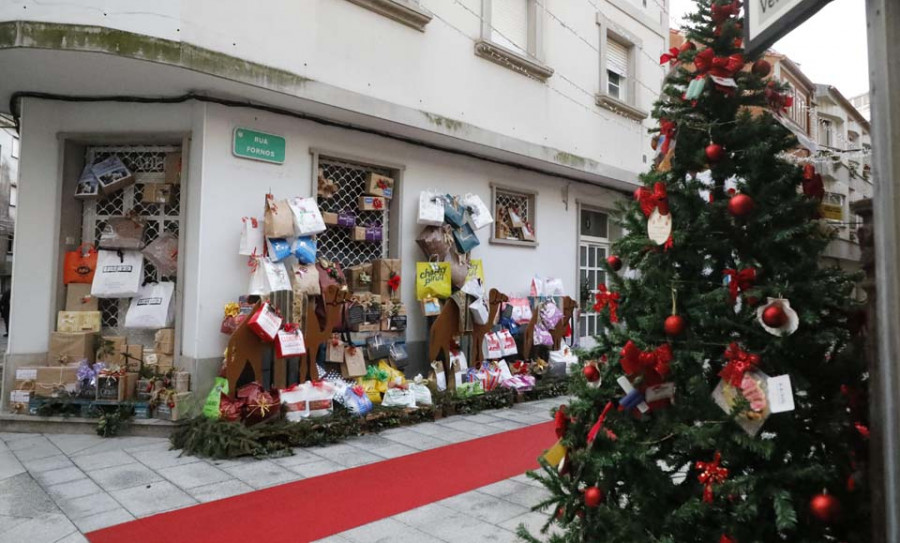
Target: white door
column 593, row 248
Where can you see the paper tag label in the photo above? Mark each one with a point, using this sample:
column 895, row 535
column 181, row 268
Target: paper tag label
column 26, row 374
column 659, row 227
column 441, row 379
column 20, row 396
column 660, row 392
column 781, row 396
column 723, row 81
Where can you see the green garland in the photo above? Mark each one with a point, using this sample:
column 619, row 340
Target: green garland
column 201, row 436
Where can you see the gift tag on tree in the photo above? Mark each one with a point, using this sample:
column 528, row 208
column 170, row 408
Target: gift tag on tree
column 659, row 227
column 781, row 396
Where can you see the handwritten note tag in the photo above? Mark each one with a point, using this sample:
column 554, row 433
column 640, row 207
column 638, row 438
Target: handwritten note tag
column 659, row 227
column 781, row 396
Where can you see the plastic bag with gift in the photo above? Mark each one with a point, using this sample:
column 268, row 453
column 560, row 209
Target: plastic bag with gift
column 521, row 310
column 253, row 239
column 304, row 249
column 163, row 254
column 420, row 390
column 507, row 343
column 431, row 208
column 454, row 213
column 480, row 311
column 122, row 233
column 357, row 401
column 399, row 397
column 542, row 336
column 152, row 307
column 377, row 348
column 119, row 274
column 468, row 390
column 551, row 314
column 398, row 354
column 432, row 280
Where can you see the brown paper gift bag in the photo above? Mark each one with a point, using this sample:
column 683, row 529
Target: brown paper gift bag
column 354, row 362
column 382, row 269
column 279, row 219
column 306, row 280
column 78, row 298
column 435, row 241
column 71, row 347
column 334, row 352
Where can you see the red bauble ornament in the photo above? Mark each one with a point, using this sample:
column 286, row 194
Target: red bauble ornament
column 761, row 68
column 740, row 205
column 593, row 496
column 591, row 373
column 825, row 507
column 715, row 152
column 774, row 316
column 674, row 325
column 614, row 262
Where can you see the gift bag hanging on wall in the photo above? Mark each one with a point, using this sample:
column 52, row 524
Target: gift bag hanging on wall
column 278, row 249
column 454, row 212
column 306, row 280
column 153, row 307
column 435, row 241
column 431, row 208
column 304, row 249
column 279, row 220
column 163, row 254
column 307, row 217
column 79, row 265
column 480, row 312
column 432, row 280
column 478, row 210
column 465, row 238
column 122, row 233
column 259, row 285
column 276, row 275
column 119, row 274
column 253, row 239
column 459, row 268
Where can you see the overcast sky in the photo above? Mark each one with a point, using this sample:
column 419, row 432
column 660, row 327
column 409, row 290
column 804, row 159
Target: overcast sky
column 830, row 47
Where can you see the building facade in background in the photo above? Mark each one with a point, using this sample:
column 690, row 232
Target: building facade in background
column 541, row 104
column 9, row 197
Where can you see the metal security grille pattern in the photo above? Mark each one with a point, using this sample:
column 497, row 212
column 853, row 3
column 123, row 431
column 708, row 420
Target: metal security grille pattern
column 515, row 200
column 147, row 163
column 338, row 243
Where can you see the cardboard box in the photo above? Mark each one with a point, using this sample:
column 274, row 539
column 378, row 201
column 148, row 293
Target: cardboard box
column 78, row 321
column 164, row 362
column 164, row 341
column 330, row 218
column 72, row 347
column 359, row 277
column 172, row 168
column 53, row 382
column 149, row 357
column 179, row 408
column 372, row 203
column 131, row 379
column 380, row 185
column 112, row 175
column 78, row 298
column 88, row 187
column 111, row 349
column 382, row 268
column 371, row 234
column 112, row 388
column 134, row 357
column 366, row 327
column 157, row 193
column 181, row 381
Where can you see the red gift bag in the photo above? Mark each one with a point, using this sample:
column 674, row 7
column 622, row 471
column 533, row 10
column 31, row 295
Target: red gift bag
column 289, row 342
column 265, row 323
column 79, row 265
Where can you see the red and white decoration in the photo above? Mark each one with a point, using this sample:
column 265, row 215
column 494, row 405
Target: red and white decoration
column 266, row 322
column 289, row 342
column 777, row 317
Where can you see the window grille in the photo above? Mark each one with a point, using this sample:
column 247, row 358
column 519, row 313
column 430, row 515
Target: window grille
column 147, row 163
column 338, row 243
column 524, row 204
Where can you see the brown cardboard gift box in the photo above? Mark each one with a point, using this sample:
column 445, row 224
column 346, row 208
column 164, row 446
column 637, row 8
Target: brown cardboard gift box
column 371, row 203
column 157, row 193
column 165, row 341
column 382, row 268
column 78, row 321
column 78, row 298
column 55, row 381
column 164, row 362
column 359, row 277
column 379, row 185
column 173, row 406
column 71, row 347
column 134, row 357
column 329, row 218
column 111, row 349
column 112, row 387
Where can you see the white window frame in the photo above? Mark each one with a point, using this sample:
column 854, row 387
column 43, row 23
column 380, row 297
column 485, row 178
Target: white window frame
column 531, row 63
column 627, row 103
column 407, row 12
column 14, row 149
column 532, row 196
column 606, row 243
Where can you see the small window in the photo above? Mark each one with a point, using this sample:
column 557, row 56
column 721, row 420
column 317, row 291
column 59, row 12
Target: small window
column 616, row 68
column 14, row 150
column 511, row 36
column 514, row 217
column 594, row 224
column 509, row 24
column 827, row 132
column 13, row 196
column 9, row 244
column 614, row 84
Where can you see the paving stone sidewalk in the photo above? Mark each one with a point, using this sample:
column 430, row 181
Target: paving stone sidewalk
column 56, row 487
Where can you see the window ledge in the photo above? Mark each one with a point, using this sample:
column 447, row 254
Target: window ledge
column 402, row 11
column 512, row 60
column 514, row 242
column 617, row 106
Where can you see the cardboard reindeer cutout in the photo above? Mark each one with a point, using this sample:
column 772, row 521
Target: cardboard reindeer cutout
column 316, row 332
column 245, row 355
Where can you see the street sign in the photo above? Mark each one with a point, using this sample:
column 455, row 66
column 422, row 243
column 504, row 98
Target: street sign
column 258, row 146
column 765, row 21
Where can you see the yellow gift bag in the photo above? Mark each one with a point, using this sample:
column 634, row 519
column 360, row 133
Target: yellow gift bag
column 432, row 280
column 476, row 270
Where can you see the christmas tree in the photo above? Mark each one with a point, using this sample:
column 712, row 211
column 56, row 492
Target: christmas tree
column 725, row 399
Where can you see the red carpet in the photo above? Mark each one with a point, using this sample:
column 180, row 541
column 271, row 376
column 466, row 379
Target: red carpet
column 321, row 506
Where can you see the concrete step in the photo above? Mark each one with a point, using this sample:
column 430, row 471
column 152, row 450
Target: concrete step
column 77, row 425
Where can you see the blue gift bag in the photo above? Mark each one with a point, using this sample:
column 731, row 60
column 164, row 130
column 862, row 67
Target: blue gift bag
column 279, row 249
column 305, row 250
column 465, row 238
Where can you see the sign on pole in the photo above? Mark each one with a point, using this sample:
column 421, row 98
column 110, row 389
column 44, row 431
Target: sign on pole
column 258, row 146
column 765, row 21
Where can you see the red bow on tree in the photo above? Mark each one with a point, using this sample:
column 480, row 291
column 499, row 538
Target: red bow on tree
column 706, row 61
column 711, row 473
column 652, row 199
column 595, row 429
column 394, row 282
column 812, row 183
column 671, row 56
column 726, row 539
column 654, row 364
column 667, row 129
column 723, row 12
column 560, row 422
column 740, row 280
column 777, row 101
column 739, row 363
column 605, row 298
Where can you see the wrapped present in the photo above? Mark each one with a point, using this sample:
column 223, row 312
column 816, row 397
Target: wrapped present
column 265, row 323
column 372, row 234
column 371, row 203
column 399, row 397
column 289, row 342
column 519, row 383
column 354, row 362
column 181, row 381
column 420, row 390
column 329, row 218
column 380, row 185
column 172, row 168
column 88, row 188
column 377, row 348
column 157, row 193
column 174, row 406
column 431, row 306
column 164, row 341
column 307, row 216
column 72, row 347
column 355, row 399
column 78, row 321
column 214, row 398
column 111, row 385
column 370, row 388
column 360, row 277
column 56, row 382
column 164, row 363
column 261, row 405
column 131, row 379
column 78, row 298
column 112, row 175
column 386, row 277
column 468, row 390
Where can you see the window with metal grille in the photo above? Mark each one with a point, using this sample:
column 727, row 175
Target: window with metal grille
column 338, row 243
column 513, row 208
column 147, row 163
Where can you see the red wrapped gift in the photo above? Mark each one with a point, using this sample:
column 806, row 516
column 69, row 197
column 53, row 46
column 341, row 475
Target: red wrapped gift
column 261, row 405
column 230, row 409
column 265, row 323
column 289, row 342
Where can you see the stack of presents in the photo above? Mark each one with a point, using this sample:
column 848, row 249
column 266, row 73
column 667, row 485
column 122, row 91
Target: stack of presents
column 86, row 368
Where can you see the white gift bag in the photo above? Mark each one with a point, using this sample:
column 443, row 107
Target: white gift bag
column 491, row 347
column 276, row 275
column 307, row 217
column 153, row 307
column 458, row 360
column 259, row 285
column 479, row 311
column 431, row 208
column 507, row 343
column 253, row 239
column 398, row 397
column 563, row 356
column 473, row 287
column 478, row 211
column 119, row 274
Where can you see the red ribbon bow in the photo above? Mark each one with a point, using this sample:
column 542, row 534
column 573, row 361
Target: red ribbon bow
column 667, row 129
column 726, row 539
column 358, row 390
column 740, row 280
column 520, row 367
column 739, row 363
column 377, row 203
column 706, row 61
column 813, row 186
column 634, row 361
column 560, row 422
column 723, row 12
column 607, row 298
column 711, row 473
column 595, row 429
column 653, row 199
column 290, row 327
column 394, row 282
column 670, row 57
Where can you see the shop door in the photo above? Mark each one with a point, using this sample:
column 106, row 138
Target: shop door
column 147, row 163
column 593, row 248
